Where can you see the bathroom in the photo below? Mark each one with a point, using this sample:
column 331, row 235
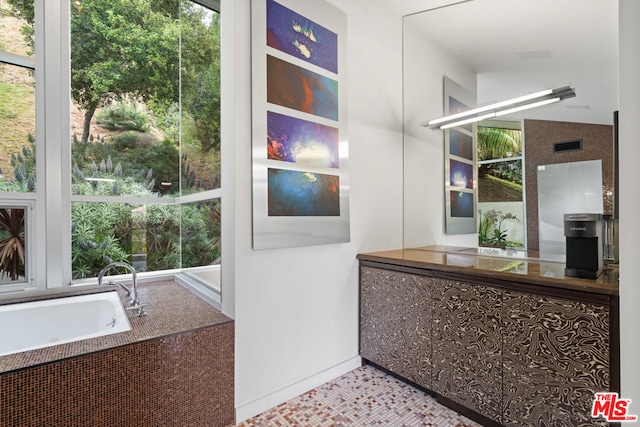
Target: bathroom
column 296, row 310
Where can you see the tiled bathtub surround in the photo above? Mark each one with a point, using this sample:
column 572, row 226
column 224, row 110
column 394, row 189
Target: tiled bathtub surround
column 171, row 309
column 363, row 397
column 175, row 368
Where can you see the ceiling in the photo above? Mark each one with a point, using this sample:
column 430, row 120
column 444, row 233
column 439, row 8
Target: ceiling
column 523, row 46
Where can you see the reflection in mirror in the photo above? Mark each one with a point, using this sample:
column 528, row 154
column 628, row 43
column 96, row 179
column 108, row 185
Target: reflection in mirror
column 500, row 193
column 501, row 49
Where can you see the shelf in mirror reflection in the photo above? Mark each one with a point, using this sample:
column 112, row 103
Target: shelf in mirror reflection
column 491, row 262
column 512, row 253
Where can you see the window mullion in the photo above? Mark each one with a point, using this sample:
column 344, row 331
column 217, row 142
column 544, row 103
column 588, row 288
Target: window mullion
column 38, row 236
column 55, row 156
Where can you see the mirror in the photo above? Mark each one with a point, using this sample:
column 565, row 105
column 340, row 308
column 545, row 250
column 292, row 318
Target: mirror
column 503, row 49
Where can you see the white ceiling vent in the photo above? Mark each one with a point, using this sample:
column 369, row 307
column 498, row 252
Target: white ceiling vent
column 534, row 54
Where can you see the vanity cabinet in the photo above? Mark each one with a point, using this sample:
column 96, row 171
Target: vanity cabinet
column 502, row 352
column 395, row 323
column 556, row 355
column 467, row 345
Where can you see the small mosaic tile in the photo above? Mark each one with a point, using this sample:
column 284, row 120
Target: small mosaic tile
column 363, row 397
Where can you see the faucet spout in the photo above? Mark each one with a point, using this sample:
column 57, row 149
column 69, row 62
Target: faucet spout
column 133, row 291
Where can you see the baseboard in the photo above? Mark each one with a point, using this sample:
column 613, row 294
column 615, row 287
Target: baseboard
column 271, row 400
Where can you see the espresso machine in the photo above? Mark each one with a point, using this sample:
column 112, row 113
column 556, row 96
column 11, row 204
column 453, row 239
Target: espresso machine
column 583, row 233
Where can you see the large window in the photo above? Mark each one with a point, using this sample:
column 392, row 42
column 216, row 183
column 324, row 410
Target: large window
column 139, row 168
column 17, row 145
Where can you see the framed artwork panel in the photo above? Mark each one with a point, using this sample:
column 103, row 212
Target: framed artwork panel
column 461, row 171
column 299, row 124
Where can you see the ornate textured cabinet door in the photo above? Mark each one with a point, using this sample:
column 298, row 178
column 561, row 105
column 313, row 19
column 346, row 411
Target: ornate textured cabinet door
column 556, row 357
column 394, row 323
column 467, row 359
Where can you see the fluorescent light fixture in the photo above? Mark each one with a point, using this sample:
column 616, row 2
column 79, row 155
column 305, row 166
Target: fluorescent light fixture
column 501, row 108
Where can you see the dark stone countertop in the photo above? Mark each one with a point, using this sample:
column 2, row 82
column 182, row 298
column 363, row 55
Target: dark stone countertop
column 171, row 309
column 526, row 268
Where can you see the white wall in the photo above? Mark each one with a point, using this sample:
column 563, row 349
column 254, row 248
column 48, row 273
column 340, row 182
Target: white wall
column 425, row 65
column 296, row 310
column 629, row 202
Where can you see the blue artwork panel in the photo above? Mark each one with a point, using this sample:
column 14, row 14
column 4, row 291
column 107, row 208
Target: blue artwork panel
column 294, row 193
column 460, row 144
column 461, row 204
column 460, row 174
column 455, row 107
column 294, row 87
column 300, row 141
column 298, row 36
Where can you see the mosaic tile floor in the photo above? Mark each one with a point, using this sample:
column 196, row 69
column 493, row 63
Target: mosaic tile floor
column 363, row 397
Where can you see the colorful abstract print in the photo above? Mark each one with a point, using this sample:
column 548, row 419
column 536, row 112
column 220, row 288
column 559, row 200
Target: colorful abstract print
column 461, row 204
column 299, row 141
column 300, row 89
column 460, row 144
column 293, row 193
column 300, row 37
column 460, row 174
column 456, row 107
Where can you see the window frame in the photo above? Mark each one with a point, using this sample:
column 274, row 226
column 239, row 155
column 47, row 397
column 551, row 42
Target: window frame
column 36, row 225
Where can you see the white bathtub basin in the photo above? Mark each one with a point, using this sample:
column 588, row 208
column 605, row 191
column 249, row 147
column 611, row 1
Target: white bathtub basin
column 38, row 324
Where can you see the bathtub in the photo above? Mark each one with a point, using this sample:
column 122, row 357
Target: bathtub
column 37, row 324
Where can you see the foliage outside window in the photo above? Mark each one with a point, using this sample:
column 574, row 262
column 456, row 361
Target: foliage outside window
column 145, row 130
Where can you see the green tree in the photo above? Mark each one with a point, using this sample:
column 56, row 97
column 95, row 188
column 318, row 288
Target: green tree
column 136, row 48
column 118, row 47
column 123, row 47
column 201, row 72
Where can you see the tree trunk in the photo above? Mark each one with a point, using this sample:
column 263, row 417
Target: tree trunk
column 86, row 126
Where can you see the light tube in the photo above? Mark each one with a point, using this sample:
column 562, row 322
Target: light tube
column 467, row 121
column 526, row 107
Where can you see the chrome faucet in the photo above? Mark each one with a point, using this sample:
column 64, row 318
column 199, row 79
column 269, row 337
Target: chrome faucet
column 131, row 292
